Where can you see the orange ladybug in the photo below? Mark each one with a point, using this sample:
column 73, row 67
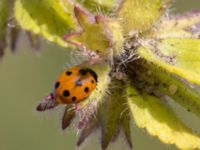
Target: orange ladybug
column 72, row 86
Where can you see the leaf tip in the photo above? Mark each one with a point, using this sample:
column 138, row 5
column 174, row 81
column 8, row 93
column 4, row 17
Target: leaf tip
column 2, row 48
column 68, row 116
column 82, row 15
column 47, row 103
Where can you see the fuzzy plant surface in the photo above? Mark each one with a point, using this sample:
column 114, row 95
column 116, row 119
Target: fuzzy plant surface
column 141, row 54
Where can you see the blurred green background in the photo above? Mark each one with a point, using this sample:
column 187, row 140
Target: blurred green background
column 25, row 78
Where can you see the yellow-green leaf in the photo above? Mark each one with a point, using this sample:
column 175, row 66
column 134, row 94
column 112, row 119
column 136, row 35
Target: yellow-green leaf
column 4, row 16
column 181, row 26
column 113, row 114
column 49, row 18
column 93, row 36
column 160, row 121
column 156, row 80
column 139, row 15
column 116, row 33
column 98, row 6
column 177, row 56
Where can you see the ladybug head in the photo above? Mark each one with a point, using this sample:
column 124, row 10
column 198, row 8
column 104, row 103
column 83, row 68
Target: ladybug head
column 86, row 70
column 47, row 103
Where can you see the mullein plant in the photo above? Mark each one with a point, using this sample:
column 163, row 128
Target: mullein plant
column 142, row 55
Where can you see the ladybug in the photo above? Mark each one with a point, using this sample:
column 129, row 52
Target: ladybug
column 72, row 86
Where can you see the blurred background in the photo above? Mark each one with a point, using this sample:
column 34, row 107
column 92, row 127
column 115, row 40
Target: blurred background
column 26, row 77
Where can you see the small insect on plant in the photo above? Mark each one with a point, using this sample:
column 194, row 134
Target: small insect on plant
column 71, row 87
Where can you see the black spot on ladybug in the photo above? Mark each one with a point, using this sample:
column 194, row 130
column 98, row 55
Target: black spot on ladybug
column 92, row 81
column 78, row 82
column 92, row 73
column 73, row 98
column 86, row 70
column 66, row 93
column 68, row 73
column 86, row 90
column 57, row 84
column 83, row 71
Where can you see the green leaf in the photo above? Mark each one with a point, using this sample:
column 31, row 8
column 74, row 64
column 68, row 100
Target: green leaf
column 178, row 90
column 93, row 35
column 181, row 26
column 49, row 18
column 177, row 56
column 160, row 121
column 126, row 125
column 139, row 15
column 98, row 6
column 34, row 40
column 113, row 114
column 116, row 33
column 157, row 81
column 4, row 16
column 68, row 116
column 87, row 130
column 14, row 36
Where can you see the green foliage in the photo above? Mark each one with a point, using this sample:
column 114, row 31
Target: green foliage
column 49, row 18
column 68, row 116
column 139, row 15
column 177, row 56
column 98, row 6
column 159, row 120
column 181, row 26
column 111, row 121
column 164, row 83
column 56, row 18
column 93, row 35
column 98, row 34
column 4, row 15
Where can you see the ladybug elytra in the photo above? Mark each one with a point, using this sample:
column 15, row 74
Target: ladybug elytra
column 75, row 85
column 72, row 86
